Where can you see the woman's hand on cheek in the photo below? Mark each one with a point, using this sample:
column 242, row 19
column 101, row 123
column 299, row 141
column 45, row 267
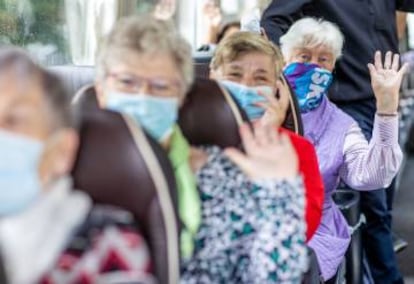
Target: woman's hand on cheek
column 386, row 81
column 275, row 109
column 269, row 155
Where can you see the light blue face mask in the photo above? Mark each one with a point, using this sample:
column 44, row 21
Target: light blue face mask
column 156, row 115
column 19, row 179
column 247, row 97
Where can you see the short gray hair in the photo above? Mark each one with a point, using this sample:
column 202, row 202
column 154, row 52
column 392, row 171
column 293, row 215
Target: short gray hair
column 146, row 35
column 57, row 99
column 311, row 32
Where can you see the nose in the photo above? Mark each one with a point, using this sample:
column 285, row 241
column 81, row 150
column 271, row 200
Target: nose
column 144, row 87
column 314, row 60
column 247, row 80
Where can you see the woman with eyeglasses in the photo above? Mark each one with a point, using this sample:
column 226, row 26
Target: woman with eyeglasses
column 242, row 213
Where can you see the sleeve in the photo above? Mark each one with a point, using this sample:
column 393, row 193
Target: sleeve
column 280, row 15
column 405, row 5
column 373, row 165
column 314, row 189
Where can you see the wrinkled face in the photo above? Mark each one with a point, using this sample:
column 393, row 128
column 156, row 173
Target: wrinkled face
column 320, row 55
column 156, row 75
column 24, row 112
column 252, row 69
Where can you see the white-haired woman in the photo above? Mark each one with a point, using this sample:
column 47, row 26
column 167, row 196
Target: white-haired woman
column 311, row 48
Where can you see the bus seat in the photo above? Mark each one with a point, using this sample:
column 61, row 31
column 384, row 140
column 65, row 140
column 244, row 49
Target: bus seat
column 85, row 99
column 293, row 120
column 210, row 116
column 74, row 77
column 119, row 165
column 201, row 63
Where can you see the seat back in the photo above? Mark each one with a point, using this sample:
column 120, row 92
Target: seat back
column 74, row 77
column 119, row 165
column 210, row 116
column 293, row 120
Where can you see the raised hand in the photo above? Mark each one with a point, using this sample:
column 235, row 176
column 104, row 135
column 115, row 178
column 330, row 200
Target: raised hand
column 165, row 9
column 275, row 109
column 386, row 81
column 212, row 14
column 269, row 155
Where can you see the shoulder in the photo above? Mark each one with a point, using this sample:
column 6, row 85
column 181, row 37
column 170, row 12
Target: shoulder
column 300, row 143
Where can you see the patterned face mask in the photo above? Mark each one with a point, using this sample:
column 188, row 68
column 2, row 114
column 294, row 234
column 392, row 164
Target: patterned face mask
column 310, row 83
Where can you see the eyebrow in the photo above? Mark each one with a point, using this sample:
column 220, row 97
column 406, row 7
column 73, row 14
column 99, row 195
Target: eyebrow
column 261, row 71
column 235, row 66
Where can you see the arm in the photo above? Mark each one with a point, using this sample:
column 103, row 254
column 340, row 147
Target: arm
column 374, row 165
column 280, row 15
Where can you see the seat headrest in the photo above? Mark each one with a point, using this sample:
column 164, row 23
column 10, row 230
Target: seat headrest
column 119, row 165
column 74, row 77
column 293, row 120
column 210, row 116
column 201, row 61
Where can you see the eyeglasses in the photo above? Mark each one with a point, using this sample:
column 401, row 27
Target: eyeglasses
column 162, row 87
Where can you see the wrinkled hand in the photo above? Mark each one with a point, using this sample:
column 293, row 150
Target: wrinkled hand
column 212, row 14
column 275, row 109
column 386, row 81
column 165, row 10
column 269, row 155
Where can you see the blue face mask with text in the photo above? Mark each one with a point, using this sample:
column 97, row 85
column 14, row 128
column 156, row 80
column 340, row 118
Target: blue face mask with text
column 310, row 83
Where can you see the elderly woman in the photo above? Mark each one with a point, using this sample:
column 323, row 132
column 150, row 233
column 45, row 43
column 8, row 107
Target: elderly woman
column 311, row 48
column 249, row 66
column 50, row 233
column 248, row 226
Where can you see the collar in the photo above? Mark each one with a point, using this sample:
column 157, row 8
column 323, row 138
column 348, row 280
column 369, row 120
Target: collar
column 32, row 240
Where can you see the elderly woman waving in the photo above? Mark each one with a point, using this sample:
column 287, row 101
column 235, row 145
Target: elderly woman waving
column 311, row 48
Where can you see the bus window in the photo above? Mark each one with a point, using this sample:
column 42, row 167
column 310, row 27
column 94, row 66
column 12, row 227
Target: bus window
column 59, row 32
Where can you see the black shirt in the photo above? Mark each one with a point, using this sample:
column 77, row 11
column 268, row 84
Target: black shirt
column 368, row 25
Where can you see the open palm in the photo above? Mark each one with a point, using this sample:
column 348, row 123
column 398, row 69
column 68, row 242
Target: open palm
column 269, row 155
column 386, row 81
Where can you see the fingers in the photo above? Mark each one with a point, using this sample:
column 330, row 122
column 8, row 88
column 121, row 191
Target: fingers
column 395, row 62
column 404, row 69
column 238, row 158
column 372, row 70
column 388, row 60
column 249, row 143
column 378, row 60
column 262, row 134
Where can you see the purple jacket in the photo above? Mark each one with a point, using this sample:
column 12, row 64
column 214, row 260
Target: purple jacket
column 326, row 128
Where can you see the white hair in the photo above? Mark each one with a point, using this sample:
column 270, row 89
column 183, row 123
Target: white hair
column 311, row 32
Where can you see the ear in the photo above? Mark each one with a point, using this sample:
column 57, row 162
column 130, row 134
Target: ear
column 59, row 156
column 100, row 94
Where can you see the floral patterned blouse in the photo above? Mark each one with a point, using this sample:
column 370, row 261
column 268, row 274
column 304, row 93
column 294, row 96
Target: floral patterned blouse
column 250, row 232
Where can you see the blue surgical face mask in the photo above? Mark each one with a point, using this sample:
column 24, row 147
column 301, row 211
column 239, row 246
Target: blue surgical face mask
column 19, row 179
column 156, row 115
column 310, row 83
column 248, row 97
